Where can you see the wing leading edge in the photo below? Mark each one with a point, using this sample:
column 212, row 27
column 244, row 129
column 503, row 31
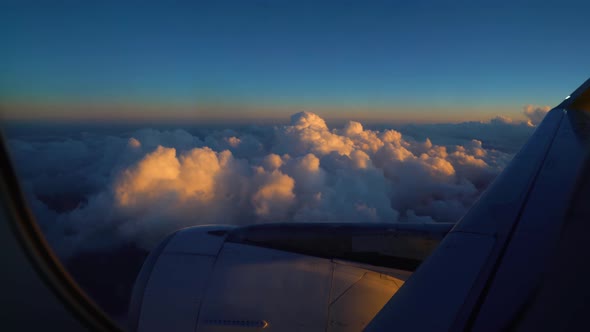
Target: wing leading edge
column 498, row 267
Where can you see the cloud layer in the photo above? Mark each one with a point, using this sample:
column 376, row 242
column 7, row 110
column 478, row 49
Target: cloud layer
column 93, row 191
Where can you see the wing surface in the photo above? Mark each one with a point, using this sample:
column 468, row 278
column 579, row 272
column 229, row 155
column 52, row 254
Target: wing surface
column 518, row 259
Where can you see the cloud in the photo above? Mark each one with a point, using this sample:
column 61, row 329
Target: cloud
column 501, row 133
column 134, row 143
column 309, row 133
column 94, row 191
column 535, row 114
column 272, row 162
column 108, row 195
column 501, row 120
column 274, row 195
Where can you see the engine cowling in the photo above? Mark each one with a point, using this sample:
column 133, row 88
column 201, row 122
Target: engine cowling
column 280, row 277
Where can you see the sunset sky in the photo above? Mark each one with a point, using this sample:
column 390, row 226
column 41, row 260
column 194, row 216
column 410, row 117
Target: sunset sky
column 375, row 60
column 129, row 120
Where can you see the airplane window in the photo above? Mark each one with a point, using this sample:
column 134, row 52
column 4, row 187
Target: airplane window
column 126, row 124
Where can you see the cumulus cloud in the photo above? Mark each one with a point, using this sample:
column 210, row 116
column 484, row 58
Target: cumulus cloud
column 535, row 114
column 309, row 133
column 501, row 120
column 501, row 133
column 98, row 190
column 274, row 195
column 134, row 143
column 273, row 162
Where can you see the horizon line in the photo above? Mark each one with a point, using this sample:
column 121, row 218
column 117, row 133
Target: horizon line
column 218, row 114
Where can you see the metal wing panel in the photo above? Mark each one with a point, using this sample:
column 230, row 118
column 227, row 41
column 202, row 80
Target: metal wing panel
column 562, row 301
column 433, row 296
column 517, row 221
column 457, row 271
column 538, row 230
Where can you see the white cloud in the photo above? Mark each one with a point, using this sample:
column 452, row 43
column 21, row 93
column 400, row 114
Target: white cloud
column 535, row 114
column 139, row 186
column 272, row 162
column 274, row 195
column 309, row 133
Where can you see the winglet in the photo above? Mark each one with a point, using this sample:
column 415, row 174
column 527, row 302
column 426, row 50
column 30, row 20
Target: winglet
column 579, row 99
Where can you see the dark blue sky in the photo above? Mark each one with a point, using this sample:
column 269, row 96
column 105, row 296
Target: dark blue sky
column 459, row 57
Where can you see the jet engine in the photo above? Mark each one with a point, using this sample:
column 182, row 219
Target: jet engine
column 277, row 277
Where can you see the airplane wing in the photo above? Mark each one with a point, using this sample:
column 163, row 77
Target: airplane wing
column 519, row 259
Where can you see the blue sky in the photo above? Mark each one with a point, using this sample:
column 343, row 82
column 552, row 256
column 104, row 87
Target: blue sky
column 454, row 60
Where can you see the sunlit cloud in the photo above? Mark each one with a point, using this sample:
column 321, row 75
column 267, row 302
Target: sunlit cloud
column 535, row 114
column 141, row 186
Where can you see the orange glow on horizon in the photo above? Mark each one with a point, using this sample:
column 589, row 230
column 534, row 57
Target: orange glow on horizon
column 137, row 113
